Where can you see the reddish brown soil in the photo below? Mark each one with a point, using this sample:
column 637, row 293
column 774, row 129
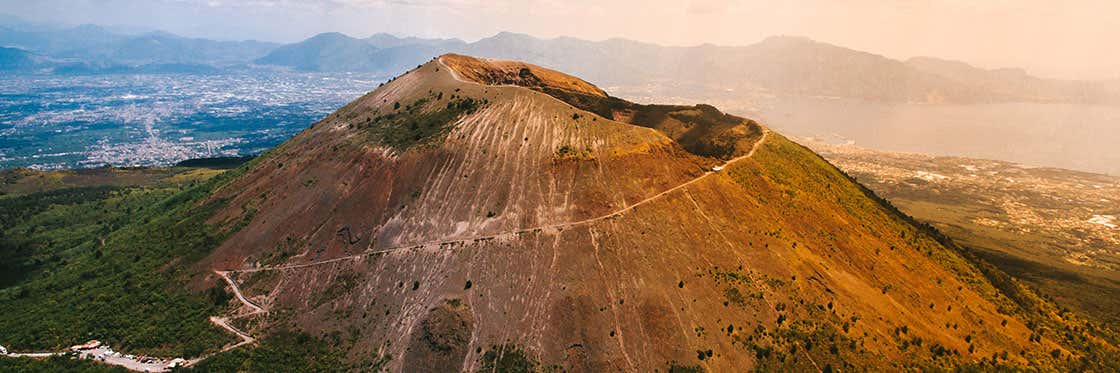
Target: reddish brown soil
column 779, row 251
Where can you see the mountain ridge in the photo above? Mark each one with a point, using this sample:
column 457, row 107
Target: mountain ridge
column 19, row 59
column 478, row 214
column 528, row 225
column 94, row 45
column 783, row 64
column 787, row 65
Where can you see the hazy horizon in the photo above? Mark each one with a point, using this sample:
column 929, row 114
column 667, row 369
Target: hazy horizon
column 1046, row 40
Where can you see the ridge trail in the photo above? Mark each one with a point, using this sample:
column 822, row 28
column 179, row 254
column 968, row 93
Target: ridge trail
column 258, row 309
column 223, row 322
column 255, row 309
column 556, row 226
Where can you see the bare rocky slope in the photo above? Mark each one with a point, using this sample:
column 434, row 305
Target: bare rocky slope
column 488, row 215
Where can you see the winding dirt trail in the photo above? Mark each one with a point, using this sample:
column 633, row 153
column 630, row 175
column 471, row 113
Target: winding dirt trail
column 256, row 309
column 224, row 322
column 557, row 226
column 237, row 291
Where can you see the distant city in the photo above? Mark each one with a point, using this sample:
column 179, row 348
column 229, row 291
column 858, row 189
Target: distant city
column 61, row 121
column 87, row 96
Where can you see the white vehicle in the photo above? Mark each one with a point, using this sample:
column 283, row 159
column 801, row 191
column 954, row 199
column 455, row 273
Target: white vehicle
column 3, row 351
column 717, row 168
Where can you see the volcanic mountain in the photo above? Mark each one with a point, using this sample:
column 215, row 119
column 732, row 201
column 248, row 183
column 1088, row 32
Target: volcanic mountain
column 477, row 214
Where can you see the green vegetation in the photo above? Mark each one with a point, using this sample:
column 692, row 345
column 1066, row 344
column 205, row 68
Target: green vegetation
column 341, row 284
column 570, row 152
column 216, row 162
column 674, row 368
column 110, row 264
column 21, row 255
column 507, row 359
column 1033, row 250
column 21, row 182
column 55, row 364
column 796, row 171
column 805, row 337
column 287, row 351
column 420, row 122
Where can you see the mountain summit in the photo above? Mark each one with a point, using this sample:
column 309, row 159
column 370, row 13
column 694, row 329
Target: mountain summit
column 477, row 214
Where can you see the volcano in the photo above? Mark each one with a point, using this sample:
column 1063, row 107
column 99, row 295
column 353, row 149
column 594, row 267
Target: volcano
column 484, row 215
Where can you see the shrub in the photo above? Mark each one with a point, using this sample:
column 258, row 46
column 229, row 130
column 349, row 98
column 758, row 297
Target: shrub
column 419, row 122
column 507, row 358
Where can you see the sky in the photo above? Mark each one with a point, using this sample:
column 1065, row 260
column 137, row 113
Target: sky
column 1073, row 39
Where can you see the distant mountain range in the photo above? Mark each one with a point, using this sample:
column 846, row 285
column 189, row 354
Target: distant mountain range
column 380, row 53
column 102, row 45
column 19, row 59
column 780, row 65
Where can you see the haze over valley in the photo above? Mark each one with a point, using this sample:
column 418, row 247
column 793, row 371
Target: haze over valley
column 808, row 88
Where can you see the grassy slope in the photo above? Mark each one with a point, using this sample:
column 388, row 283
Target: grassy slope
column 798, row 169
column 61, row 286
column 286, row 351
column 109, row 263
column 974, row 213
column 808, row 182
column 20, row 181
column 55, row 364
column 1016, row 253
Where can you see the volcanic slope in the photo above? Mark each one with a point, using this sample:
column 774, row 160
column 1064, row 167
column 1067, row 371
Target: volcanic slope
column 469, row 215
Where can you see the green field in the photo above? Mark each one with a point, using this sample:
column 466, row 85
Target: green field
column 108, row 262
